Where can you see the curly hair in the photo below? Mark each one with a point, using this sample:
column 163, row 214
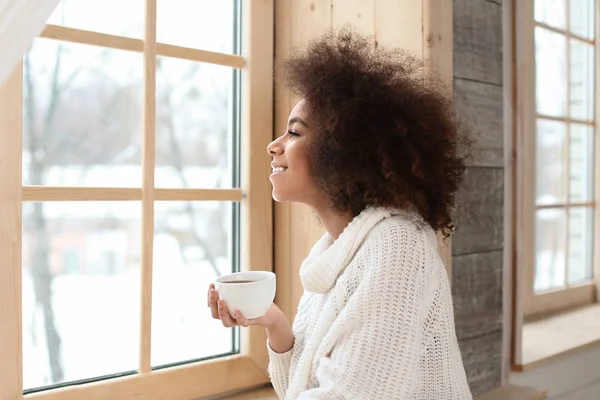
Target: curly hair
column 387, row 133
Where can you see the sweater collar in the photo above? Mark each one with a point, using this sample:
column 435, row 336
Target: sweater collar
column 328, row 258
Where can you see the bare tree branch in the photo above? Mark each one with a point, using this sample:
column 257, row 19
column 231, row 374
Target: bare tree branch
column 42, row 277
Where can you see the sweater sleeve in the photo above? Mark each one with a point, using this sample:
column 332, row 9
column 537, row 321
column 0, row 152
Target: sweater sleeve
column 378, row 353
column 279, row 370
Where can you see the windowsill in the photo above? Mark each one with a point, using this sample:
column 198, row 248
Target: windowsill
column 512, row 392
column 560, row 335
column 264, row 393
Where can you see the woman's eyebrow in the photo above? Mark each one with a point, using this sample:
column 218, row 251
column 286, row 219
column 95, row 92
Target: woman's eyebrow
column 297, row 120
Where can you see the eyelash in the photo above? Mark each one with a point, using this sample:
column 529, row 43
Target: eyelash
column 292, row 133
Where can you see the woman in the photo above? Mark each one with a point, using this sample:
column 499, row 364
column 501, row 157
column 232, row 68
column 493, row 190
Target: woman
column 373, row 146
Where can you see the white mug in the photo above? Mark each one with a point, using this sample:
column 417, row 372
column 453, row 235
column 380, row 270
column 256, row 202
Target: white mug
column 253, row 297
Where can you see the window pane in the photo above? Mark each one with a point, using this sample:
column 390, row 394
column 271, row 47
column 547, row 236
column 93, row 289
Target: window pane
column 550, row 249
column 82, row 115
column 195, row 107
column 194, row 244
column 581, row 159
column 115, row 17
column 551, row 162
column 550, row 73
column 581, row 17
column 582, row 80
column 551, row 12
column 199, row 24
column 80, row 290
column 581, row 222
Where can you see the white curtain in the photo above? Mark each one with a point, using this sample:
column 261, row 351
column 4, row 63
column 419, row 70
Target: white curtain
column 20, row 22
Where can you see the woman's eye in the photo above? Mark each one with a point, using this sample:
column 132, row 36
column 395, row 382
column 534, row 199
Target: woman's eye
column 292, row 133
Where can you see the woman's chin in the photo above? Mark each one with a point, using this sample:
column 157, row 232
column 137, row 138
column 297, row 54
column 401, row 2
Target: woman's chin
column 278, row 197
column 282, row 197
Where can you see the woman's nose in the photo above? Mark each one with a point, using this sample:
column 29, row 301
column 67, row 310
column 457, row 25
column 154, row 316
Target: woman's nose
column 274, row 148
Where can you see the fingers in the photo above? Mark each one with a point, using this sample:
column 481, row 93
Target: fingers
column 226, row 319
column 210, row 287
column 213, row 298
column 243, row 321
column 218, row 310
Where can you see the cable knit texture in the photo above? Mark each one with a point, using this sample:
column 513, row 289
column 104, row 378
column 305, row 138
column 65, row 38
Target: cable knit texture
column 376, row 319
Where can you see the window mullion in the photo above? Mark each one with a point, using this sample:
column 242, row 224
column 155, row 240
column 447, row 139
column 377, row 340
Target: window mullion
column 596, row 158
column 148, row 196
column 567, row 143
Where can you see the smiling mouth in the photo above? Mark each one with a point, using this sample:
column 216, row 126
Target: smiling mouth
column 278, row 169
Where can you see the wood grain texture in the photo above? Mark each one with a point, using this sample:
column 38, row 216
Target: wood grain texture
column 188, row 382
column 281, row 211
column 399, row 24
column 478, row 41
column 481, row 213
column 524, row 171
column 482, row 358
column 358, row 13
column 481, row 105
column 264, row 393
column 477, row 293
column 73, row 35
column 257, row 132
column 56, row 193
column 478, row 278
column 438, row 42
column 296, row 228
column 512, row 392
column 148, row 161
column 198, row 194
column 437, row 45
column 80, row 36
column 509, row 303
column 210, row 57
column 11, row 359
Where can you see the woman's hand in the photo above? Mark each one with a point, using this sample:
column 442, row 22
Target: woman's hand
column 279, row 331
column 218, row 309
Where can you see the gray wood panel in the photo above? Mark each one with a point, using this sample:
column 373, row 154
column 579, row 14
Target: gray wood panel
column 477, row 244
column 482, row 358
column 480, row 106
column 477, row 293
column 478, row 40
column 480, row 212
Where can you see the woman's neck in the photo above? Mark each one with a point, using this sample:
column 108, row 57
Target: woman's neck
column 334, row 221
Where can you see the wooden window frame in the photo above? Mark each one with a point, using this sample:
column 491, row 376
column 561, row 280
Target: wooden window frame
column 535, row 304
column 192, row 380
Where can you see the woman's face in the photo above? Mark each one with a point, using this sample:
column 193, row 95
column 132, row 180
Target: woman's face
column 292, row 178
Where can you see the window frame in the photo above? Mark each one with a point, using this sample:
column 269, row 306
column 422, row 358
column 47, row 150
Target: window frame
column 220, row 375
column 534, row 304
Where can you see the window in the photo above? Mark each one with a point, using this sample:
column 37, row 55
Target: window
column 141, row 177
column 557, row 220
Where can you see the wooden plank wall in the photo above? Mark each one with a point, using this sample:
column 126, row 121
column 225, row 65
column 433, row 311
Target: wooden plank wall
column 477, row 247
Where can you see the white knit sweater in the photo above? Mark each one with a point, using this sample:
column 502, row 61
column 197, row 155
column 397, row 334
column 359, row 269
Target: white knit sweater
column 376, row 319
